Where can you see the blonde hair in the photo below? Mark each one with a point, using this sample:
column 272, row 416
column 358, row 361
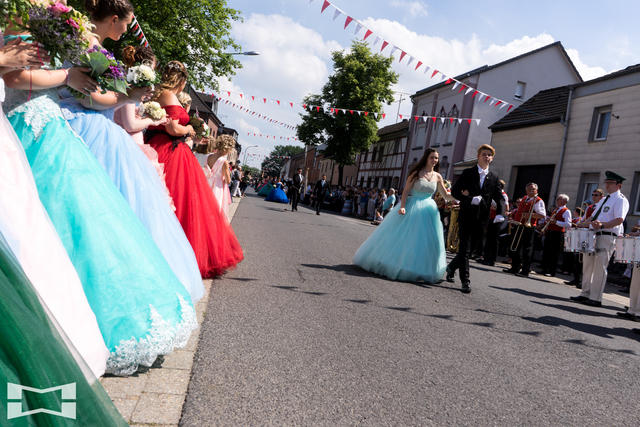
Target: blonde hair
column 223, row 144
column 486, row 147
column 184, row 99
column 174, row 75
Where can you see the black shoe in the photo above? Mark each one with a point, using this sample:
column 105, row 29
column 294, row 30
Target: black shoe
column 317, row 213
column 628, row 316
column 523, row 274
column 465, row 289
column 579, row 286
column 510, row 270
column 450, row 275
column 591, row 303
column 635, row 331
column 488, row 263
column 570, row 282
column 578, row 298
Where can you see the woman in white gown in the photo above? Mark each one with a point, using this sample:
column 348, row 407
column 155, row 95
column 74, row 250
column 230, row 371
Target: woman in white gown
column 37, row 246
column 220, row 173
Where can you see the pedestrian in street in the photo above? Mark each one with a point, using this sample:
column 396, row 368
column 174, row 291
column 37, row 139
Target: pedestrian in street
column 475, row 189
column 297, row 184
column 389, row 203
column 236, row 176
column 320, row 191
column 607, row 222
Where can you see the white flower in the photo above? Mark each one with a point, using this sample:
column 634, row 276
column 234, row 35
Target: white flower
column 141, row 74
column 154, row 110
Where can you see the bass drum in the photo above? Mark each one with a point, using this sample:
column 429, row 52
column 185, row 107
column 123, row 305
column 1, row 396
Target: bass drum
column 580, row 240
column 627, row 250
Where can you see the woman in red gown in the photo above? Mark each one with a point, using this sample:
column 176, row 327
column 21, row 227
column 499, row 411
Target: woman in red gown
column 210, row 234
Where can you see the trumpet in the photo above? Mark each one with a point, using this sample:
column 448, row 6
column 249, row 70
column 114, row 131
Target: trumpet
column 548, row 221
column 517, row 235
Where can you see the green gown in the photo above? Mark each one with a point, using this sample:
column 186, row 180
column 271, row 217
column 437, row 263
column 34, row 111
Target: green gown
column 33, row 353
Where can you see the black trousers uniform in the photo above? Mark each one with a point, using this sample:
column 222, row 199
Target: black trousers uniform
column 551, row 251
column 295, row 198
column 521, row 257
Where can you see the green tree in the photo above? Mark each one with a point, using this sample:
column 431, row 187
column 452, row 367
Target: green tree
column 272, row 165
column 361, row 81
column 195, row 32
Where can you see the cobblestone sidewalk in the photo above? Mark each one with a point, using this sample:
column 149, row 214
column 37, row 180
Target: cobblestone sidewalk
column 155, row 398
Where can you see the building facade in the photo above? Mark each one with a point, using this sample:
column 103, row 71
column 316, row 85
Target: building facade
column 381, row 165
column 514, row 80
column 598, row 130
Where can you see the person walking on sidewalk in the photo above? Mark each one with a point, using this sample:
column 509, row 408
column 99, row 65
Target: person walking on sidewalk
column 296, row 187
column 475, row 189
column 607, row 223
column 320, row 190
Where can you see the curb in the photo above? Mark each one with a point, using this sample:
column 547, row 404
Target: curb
column 156, row 397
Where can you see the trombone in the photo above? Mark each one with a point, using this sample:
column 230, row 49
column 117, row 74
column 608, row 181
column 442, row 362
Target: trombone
column 517, row 235
column 548, row 221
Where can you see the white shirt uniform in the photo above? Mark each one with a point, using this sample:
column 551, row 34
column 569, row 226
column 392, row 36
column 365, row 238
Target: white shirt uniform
column 616, row 206
column 539, row 207
column 483, row 174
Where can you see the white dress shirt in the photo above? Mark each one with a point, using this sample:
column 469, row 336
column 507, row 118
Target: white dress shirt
column 538, row 207
column 617, row 206
column 483, row 175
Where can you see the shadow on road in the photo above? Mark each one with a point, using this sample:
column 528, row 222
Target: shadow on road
column 543, row 296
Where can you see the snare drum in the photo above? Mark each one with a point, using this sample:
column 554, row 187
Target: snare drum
column 627, row 250
column 580, row 240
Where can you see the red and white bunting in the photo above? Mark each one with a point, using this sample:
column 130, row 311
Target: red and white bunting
column 495, row 102
column 272, row 137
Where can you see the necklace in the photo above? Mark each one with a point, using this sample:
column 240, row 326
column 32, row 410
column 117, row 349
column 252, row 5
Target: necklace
column 428, row 175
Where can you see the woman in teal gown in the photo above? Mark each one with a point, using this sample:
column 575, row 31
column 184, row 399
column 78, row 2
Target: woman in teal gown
column 35, row 353
column 266, row 189
column 141, row 307
column 408, row 245
column 134, row 175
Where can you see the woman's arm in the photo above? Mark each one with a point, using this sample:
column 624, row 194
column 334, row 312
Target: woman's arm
column 443, row 191
column 18, row 54
column 104, row 101
column 45, row 79
column 405, row 193
column 173, row 127
column 132, row 122
column 226, row 174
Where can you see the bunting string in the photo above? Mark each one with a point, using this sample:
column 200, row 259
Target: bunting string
column 433, row 72
column 274, row 137
column 138, row 33
column 256, row 114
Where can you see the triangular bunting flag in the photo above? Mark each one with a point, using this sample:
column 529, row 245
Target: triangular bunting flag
column 278, row 101
column 498, row 103
column 402, row 55
column 426, row 69
column 434, row 73
column 351, row 111
column 474, row 94
column 455, row 85
column 228, row 93
column 264, row 100
column 358, row 28
column 325, row 5
column 416, row 118
column 418, row 65
column 510, row 107
column 304, row 106
column 336, row 14
column 442, row 120
column 367, row 34
column 486, row 99
column 462, row 87
column 400, row 115
column 448, row 81
column 366, row 113
column 469, row 121
column 468, row 90
column 347, row 22
column 384, row 115
column 410, row 61
column 459, row 121
column 477, row 122
column 384, row 44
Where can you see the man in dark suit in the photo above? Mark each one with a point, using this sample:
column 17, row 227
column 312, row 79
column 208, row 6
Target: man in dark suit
column 320, row 190
column 296, row 188
column 475, row 189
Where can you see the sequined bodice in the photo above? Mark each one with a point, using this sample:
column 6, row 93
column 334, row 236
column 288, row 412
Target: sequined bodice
column 423, row 188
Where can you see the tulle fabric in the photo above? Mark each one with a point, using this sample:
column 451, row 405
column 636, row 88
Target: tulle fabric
column 220, row 188
column 35, row 242
column 137, row 180
column 210, row 234
column 142, row 308
column 265, row 190
column 407, row 247
column 33, row 354
column 277, row 195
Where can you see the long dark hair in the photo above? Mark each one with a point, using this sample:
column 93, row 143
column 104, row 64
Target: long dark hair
column 100, row 9
column 415, row 169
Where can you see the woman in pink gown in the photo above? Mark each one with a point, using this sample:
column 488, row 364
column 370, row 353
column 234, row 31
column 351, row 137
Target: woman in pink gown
column 220, row 174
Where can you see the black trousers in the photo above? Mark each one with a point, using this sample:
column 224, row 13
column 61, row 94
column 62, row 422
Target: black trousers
column 319, row 201
column 467, row 233
column 295, row 198
column 491, row 242
column 551, row 251
column 521, row 257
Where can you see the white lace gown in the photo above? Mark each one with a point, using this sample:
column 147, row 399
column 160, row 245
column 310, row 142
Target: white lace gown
column 32, row 237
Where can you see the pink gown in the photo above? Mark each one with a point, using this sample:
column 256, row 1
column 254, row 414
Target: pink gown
column 220, row 188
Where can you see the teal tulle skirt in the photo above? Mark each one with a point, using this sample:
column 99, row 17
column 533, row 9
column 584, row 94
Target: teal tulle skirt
column 34, row 354
column 407, row 247
column 141, row 307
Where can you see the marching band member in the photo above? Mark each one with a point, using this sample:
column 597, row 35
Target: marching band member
column 530, row 210
column 633, row 312
column 559, row 220
column 596, row 196
column 606, row 221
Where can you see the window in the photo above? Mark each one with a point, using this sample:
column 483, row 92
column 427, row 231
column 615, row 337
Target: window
column 438, row 128
column 444, row 166
column 396, row 146
column 588, row 182
column 600, row 123
column 520, row 89
column 452, row 127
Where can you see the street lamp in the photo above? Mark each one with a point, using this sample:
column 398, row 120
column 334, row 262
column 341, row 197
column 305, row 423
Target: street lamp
column 246, row 150
column 249, row 53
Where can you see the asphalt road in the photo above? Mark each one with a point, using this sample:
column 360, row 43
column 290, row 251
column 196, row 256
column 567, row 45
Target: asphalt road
column 298, row 335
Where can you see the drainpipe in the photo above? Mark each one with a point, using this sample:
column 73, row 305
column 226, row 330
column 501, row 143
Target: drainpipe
column 563, row 149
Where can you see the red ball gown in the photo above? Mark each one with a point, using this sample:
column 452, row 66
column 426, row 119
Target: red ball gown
column 206, row 226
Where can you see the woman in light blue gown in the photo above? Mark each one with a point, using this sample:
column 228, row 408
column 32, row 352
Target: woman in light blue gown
column 141, row 307
column 277, row 195
column 135, row 176
column 408, row 245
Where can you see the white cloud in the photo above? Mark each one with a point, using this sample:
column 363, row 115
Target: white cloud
column 587, row 72
column 414, row 8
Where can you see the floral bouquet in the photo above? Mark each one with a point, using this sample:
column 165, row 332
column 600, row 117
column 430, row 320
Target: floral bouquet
column 153, row 110
column 61, row 30
column 105, row 69
column 199, row 126
column 141, row 76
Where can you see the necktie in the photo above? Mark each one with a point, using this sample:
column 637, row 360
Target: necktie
column 600, row 209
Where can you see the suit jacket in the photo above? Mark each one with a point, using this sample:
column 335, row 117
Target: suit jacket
column 297, row 182
column 319, row 190
column 470, row 181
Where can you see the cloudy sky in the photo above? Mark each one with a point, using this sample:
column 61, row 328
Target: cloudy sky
column 295, row 43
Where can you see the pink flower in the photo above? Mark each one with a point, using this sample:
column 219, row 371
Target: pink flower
column 58, row 9
column 72, row 23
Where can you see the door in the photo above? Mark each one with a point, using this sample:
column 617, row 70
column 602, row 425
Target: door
column 540, row 174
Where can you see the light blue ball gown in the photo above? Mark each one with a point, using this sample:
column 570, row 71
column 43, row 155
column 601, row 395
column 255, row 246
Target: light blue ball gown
column 408, row 247
column 138, row 181
column 141, row 307
column 277, row 195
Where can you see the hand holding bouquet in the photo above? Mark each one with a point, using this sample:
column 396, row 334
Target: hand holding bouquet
column 199, row 126
column 153, row 110
column 141, row 76
column 61, row 30
column 105, row 69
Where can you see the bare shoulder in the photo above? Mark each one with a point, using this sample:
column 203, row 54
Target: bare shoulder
column 168, row 98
